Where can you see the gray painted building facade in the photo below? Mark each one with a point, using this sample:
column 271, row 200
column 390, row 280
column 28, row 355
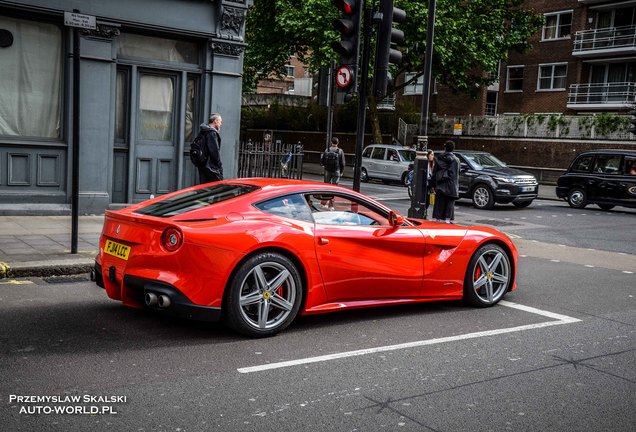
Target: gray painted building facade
column 150, row 73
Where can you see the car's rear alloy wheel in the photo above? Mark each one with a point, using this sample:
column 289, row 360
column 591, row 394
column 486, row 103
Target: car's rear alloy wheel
column 488, row 276
column 264, row 296
column 364, row 177
column 483, row 197
column 577, row 198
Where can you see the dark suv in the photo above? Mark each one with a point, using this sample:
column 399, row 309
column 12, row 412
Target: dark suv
column 487, row 180
column 603, row 177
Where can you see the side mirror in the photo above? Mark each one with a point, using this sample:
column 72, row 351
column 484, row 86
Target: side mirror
column 395, row 219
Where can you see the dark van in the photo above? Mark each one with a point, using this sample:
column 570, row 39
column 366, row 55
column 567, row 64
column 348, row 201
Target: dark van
column 606, row 178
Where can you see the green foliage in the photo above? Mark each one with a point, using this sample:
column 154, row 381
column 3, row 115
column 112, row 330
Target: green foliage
column 471, row 37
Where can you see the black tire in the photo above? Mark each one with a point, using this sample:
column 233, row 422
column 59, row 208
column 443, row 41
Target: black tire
column 606, row 206
column 364, row 176
column 267, row 280
column 488, row 276
column 405, row 179
column 522, row 204
column 483, row 197
column 577, row 198
column 409, row 189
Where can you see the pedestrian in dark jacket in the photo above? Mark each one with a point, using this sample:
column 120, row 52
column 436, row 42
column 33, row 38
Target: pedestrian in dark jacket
column 334, row 168
column 213, row 168
column 446, row 183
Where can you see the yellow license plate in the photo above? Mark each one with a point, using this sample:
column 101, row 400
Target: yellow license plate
column 117, row 249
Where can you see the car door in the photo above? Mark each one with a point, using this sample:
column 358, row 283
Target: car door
column 376, row 163
column 392, row 165
column 466, row 175
column 360, row 255
column 605, row 184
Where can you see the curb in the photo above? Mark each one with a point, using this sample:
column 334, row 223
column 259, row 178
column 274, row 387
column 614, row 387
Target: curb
column 44, row 269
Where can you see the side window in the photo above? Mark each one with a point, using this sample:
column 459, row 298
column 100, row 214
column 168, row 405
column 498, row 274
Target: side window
column 367, row 152
column 339, row 210
column 391, row 155
column 582, row 164
column 378, row 153
column 630, row 165
column 291, row 206
column 607, row 164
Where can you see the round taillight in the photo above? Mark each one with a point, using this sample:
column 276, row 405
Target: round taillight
column 171, row 239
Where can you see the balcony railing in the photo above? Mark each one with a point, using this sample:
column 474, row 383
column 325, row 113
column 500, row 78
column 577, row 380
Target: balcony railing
column 601, row 95
column 605, row 41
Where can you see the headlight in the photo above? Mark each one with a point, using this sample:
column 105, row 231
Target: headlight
column 504, row 179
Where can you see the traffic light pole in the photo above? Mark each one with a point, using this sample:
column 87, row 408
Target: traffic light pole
column 363, row 76
column 420, row 167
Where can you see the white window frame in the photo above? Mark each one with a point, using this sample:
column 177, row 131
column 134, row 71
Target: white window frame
column 508, row 89
column 415, row 88
column 558, row 14
column 290, row 71
column 552, row 88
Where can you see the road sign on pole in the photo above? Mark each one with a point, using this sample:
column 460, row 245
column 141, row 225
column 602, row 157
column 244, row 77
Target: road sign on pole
column 73, row 19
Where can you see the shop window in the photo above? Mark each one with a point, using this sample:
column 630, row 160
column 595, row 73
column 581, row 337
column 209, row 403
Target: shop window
column 155, row 48
column 121, row 102
column 31, row 77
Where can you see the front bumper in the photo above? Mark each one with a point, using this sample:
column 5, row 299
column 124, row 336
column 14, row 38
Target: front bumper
column 508, row 193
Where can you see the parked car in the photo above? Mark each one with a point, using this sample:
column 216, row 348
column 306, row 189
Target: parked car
column 486, row 180
column 606, row 178
column 258, row 252
column 386, row 162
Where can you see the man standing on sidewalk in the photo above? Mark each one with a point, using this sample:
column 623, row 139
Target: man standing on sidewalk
column 213, row 168
column 333, row 160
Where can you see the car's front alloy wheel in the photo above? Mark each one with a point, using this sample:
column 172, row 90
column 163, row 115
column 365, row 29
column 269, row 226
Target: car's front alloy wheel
column 364, row 177
column 577, row 198
column 483, row 197
column 264, row 295
column 488, row 276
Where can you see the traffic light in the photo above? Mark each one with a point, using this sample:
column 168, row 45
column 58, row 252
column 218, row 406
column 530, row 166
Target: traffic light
column 632, row 122
column 384, row 53
column 322, row 86
column 349, row 28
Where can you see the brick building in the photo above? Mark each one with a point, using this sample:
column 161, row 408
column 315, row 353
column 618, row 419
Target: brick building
column 297, row 81
column 581, row 61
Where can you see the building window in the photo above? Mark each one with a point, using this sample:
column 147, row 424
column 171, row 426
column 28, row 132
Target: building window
column 416, row 87
column 31, row 83
column 514, row 81
column 557, row 25
column 156, row 107
column 155, row 48
column 290, row 70
column 552, row 76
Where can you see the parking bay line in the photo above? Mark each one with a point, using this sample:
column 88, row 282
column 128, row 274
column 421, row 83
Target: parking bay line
column 559, row 319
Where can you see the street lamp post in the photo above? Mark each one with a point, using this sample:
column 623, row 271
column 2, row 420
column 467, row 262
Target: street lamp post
column 418, row 200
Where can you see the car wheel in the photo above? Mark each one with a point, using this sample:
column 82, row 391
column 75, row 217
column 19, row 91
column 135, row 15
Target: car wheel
column 409, row 189
column 488, row 276
column 483, row 197
column 606, row 206
column 364, row 176
column 522, row 204
column 264, row 295
column 577, row 198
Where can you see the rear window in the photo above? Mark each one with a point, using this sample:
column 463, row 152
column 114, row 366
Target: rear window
column 195, row 199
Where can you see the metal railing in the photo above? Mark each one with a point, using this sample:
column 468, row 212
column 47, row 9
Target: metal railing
column 271, row 160
column 609, row 38
column 603, row 93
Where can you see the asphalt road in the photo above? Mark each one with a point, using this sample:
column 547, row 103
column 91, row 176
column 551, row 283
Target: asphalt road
column 559, row 354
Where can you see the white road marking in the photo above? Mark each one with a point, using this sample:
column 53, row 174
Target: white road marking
column 560, row 319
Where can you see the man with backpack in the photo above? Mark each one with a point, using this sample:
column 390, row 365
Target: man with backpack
column 445, row 181
column 333, row 160
column 205, row 150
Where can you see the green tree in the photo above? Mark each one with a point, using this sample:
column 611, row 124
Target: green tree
column 471, row 38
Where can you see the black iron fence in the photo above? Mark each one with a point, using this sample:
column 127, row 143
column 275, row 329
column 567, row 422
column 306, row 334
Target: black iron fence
column 272, row 160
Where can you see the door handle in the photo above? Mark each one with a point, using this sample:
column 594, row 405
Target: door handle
column 323, row 241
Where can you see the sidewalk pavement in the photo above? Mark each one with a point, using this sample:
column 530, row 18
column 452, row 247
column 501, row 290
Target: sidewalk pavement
column 40, row 246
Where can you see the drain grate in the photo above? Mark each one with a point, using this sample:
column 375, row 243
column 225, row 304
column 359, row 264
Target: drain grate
column 67, row 279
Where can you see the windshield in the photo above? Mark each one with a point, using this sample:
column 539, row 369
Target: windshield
column 407, row 155
column 195, row 199
column 480, row 161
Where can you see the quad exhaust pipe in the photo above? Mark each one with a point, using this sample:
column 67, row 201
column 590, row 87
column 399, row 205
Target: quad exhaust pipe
column 161, row 301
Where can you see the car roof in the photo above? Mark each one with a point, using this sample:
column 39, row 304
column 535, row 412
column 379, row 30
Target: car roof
column 470, row 151
column 392, row 146
column 609, row 151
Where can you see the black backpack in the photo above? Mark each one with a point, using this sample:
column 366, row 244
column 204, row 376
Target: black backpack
column 198, row 150
column 332, row 162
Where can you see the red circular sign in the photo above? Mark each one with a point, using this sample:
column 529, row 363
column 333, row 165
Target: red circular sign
column 344, row 76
